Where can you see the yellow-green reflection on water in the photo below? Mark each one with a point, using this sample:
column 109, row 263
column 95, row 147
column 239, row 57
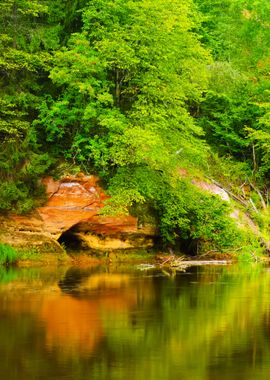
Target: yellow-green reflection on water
column 108, row 323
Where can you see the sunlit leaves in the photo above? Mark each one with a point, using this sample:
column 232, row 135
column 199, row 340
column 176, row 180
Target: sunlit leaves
column 124, row 89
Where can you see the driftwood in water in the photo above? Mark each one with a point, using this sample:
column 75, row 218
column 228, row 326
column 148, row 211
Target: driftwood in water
column 180, row 262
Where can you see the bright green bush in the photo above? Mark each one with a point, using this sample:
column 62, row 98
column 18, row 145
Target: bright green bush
column 20, row 172
column 8, row 255
column 182, row 211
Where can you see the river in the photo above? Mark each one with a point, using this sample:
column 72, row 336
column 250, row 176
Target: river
column 130, row 323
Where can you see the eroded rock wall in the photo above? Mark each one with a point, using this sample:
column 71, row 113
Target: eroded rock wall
column 74, row 204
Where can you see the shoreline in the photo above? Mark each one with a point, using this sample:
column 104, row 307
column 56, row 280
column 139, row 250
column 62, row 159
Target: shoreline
column 152, row 260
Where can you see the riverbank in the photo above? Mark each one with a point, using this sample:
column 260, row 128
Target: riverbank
column 33, row 257
column 71, row 220
column 135, row 257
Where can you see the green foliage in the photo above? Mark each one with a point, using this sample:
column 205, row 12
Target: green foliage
column 123, row 85
column 234, row 112
column 8, row 255
column 138, row 92
column 197, row 216
column 24, row 60
column 20, row 170
column 228, row 171
column 261, row 140
column 224, row 119
column 263, row 220
column 183, row 211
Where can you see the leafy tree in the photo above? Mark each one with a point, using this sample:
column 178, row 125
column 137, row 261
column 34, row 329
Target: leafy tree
column 237, row 33
column 184, row 212
column 29, row 31
column 125, row 84
column 128, row 74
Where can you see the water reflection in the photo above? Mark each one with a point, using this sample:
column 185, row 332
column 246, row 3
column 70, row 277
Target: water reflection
column 114, row 323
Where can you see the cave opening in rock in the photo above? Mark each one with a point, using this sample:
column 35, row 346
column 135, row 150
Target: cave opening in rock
column 188, row 246
column 71, row 241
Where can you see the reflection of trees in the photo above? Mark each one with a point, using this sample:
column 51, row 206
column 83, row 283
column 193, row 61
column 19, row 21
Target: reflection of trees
column 205, row 324
column 200, row 327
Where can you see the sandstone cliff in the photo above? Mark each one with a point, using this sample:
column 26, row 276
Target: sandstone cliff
column 72, row 217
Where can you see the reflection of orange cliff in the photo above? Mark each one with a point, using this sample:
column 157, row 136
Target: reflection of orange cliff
column 72, row 324
column 75, row 325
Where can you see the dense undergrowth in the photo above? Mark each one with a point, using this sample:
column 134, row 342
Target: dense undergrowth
column 8, row 255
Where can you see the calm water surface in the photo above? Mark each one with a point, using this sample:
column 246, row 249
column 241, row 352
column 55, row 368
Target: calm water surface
column 119, row 323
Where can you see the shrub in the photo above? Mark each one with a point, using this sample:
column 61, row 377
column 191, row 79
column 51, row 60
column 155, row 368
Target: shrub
column 182, row 211
column 8, row 255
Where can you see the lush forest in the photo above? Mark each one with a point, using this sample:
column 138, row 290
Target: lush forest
column 140, row 92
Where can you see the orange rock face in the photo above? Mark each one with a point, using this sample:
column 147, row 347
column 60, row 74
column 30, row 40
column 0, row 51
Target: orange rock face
column 77, row 201
column 108, row 225
column 74, row 202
